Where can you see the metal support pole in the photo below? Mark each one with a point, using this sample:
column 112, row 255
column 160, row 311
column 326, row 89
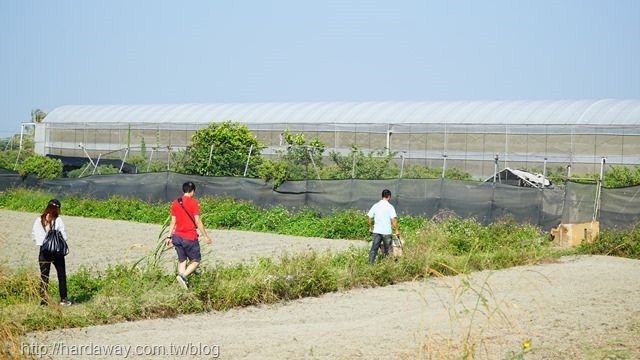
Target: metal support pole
column 15, row 166
column 95, row 167
column 596, row 207
column 353, row 165
column 150, row 158
column 315, row 167
column 246, row 167
column 389, row 132
column 544, row 172
column 124, row 159
column 81, row 145
column 168, row 157
column 444, row 164
column 209, row 161
column 495, row 167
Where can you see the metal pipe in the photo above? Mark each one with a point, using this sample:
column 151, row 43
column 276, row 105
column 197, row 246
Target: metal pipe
column 246, row 167
column 389, row 138
column 444, row 164
column 544, row 172
column 353, row 165
column 495, row 167
column 209, row 161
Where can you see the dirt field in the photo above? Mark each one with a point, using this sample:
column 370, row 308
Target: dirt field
column 582, row 307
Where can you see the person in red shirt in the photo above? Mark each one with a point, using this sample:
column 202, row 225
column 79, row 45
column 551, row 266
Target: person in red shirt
column 183, row 232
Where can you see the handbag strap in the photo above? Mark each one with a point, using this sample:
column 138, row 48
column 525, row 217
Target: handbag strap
column 185, row 210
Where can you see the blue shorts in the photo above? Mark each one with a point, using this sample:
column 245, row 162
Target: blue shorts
column 186, row 249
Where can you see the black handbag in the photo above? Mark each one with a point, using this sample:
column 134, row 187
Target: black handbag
column 54, row 243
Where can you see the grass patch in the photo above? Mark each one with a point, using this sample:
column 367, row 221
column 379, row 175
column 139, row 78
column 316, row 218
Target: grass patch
column 444, row 245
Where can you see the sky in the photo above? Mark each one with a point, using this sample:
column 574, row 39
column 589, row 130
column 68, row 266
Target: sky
column 63, row 52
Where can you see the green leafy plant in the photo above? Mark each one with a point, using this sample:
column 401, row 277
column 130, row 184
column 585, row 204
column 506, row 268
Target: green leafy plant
column 41, row 166
column 623, row 243
column 622, row 176
column 222, row 149
column 375, row 165
column 88, row 170
column 8, row 159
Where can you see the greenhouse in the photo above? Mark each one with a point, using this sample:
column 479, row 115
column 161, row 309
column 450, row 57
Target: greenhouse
column 474, row 136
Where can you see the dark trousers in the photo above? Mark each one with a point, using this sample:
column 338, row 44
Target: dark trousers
column 45, row 260
column 376, row 241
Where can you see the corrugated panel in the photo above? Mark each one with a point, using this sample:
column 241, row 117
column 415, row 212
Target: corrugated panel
column 559, row 112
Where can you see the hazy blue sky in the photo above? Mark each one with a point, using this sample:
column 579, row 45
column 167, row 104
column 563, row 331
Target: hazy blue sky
column 56, row 53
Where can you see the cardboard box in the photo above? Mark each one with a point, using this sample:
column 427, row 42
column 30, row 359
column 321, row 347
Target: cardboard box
column 568, row 235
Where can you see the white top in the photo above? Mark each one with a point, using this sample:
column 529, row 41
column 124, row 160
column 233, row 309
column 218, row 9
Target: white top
column 382, row 212
column 38, row 233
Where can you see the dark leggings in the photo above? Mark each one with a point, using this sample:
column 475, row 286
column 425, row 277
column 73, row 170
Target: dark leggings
column 45, row 261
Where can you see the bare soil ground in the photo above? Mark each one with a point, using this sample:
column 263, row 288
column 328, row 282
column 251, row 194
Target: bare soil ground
column 584, row 307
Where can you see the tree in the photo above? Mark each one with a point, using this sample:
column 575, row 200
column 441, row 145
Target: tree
column 374, row 166
column 222, row 149
column 37, row 115
column 42, row 166
column 296, row 161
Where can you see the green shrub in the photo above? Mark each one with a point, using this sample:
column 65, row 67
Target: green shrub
column 622, row 176
column 274, row 171
column 88, row 170
column 8, row 159
column 623, row 243
column 221, row 149
column 42, row 166
column 346, row 224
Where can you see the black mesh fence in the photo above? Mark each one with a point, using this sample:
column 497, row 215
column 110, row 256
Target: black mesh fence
column 485, row 201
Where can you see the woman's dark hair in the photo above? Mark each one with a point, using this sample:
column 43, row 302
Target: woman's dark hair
column 51, row 212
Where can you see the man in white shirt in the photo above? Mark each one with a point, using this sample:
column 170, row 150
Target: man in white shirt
column 382, row 216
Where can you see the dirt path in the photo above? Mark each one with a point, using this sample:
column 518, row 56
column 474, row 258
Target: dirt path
column 581, row 307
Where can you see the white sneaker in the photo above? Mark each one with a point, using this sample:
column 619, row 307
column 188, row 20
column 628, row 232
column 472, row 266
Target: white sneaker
column 65, row 302
column 182, row 282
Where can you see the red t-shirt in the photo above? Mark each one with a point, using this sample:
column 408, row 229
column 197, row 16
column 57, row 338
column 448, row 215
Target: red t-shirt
column 185, row 228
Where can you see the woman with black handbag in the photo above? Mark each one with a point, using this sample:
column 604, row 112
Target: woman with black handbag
column 50, row 221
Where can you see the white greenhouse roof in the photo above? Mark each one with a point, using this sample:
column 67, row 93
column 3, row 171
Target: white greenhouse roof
column 555, row 112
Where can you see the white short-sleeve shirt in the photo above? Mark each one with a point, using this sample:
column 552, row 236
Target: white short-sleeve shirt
column 382, row 212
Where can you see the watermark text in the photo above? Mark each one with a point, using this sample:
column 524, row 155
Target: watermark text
column 62, row 348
